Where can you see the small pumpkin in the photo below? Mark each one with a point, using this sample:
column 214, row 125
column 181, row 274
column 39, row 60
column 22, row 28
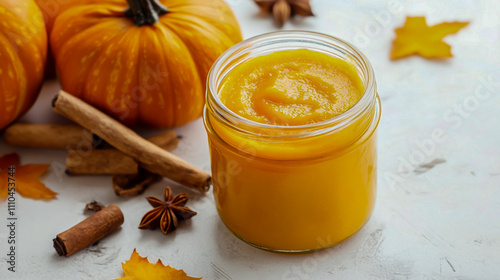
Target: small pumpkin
column 142, row 61
column 23, row 52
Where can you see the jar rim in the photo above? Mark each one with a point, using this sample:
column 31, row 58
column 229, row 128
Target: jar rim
column 339, row 121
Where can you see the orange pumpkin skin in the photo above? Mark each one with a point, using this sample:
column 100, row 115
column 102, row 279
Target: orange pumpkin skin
column 150, row 74
column 51, row 8
column 23, row 53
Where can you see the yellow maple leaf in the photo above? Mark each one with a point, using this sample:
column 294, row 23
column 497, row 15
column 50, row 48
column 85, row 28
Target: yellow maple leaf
column 139, row 268
column 25, row 178
column 416, row 37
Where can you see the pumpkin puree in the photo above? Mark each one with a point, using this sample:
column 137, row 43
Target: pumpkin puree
column 291, row 88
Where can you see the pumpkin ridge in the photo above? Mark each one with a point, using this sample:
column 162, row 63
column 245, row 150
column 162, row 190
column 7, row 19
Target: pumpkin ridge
column 192, row 50
column 65, row 55
column 8, row 17
column 134, row 40
column 25, row 50
column 173, row 100
column 9, row 110
column 93, row 97
column 9, row 115
column 59, row 47
column 77, row 15
column 194, row 21
column 198, row 95
column 173, row 96
column 19, row 56
column 21, row 74
column 164, row 103
column 207, row 13
column 98, row 97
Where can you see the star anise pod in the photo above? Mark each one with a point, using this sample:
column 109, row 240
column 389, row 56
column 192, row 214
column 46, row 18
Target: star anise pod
column 166, row 214
column 282, row 10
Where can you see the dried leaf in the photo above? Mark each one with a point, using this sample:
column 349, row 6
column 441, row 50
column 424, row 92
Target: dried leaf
column 416, row 37
column 26, row 178
column 139, row 268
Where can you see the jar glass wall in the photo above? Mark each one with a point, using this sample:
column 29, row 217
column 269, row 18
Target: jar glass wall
column 293, row 188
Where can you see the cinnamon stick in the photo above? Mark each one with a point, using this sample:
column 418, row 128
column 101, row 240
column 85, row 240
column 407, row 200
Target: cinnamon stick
column 133, row 185
column 100, row 162
column 49, row 136
column 151, row 157
column 88, row 231
column 112, row 161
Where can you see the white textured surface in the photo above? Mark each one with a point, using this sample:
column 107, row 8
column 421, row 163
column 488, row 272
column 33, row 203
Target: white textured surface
column 429, row 223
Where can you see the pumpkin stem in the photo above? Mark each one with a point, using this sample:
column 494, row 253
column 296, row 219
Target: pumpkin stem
column 145, row 11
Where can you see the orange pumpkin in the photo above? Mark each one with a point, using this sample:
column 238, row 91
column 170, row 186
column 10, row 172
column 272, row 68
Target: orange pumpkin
column 142, row 61
column 23, row 51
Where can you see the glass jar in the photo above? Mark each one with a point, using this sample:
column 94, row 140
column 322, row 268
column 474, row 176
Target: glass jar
column 293, row 188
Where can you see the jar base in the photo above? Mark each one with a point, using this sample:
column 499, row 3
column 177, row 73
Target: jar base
column 293, row 252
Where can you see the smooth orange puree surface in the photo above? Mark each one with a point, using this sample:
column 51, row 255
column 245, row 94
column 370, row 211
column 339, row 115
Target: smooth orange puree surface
column 293, row 87
column 296, row 193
